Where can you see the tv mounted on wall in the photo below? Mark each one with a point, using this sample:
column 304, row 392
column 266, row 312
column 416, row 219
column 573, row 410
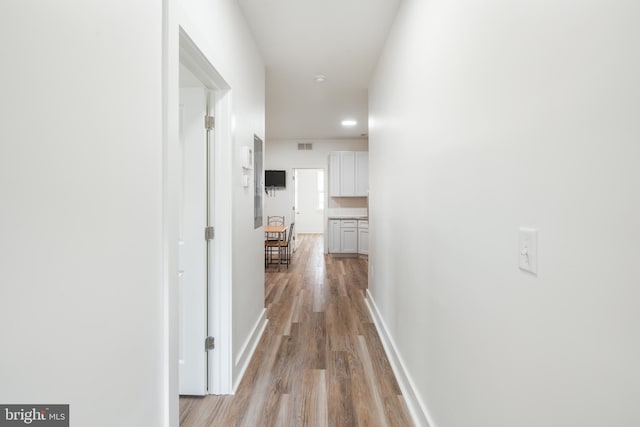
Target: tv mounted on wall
column 275, row 179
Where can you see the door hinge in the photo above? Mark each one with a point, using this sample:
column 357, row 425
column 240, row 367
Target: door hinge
column 209, row 233
column 209, row 122
column 209, row 343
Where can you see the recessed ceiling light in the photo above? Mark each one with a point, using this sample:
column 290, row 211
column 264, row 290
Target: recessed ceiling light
column 320, row 78
column 349, row 123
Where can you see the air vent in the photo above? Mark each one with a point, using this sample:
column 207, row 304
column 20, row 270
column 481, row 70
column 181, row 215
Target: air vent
column 305, row 146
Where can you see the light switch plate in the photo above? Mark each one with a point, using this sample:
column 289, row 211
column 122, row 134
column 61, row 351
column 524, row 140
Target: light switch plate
column 247, row 157
column 528, row 249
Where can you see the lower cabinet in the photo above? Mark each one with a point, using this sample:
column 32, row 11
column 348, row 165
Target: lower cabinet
column 334, row 236
column 363, row 241
column 349, row 240
column 348, row 236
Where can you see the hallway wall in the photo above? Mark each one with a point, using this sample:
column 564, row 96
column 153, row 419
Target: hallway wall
column 486, row 117
column 84, row 207
column 81, row 293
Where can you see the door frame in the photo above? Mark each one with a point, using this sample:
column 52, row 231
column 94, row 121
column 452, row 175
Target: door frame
column 220, row 367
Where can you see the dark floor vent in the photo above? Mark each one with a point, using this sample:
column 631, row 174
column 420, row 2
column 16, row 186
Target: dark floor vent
column 305, row 146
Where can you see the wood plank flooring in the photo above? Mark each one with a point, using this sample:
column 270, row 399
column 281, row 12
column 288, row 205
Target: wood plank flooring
column 320, row 361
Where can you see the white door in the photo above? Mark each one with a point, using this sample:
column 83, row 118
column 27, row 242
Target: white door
column 192, row 253
column 309, row 200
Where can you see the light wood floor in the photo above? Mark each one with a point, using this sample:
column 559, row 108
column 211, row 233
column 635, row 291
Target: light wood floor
column 320, row 361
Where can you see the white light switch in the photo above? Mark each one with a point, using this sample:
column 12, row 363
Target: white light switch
column 528, row 249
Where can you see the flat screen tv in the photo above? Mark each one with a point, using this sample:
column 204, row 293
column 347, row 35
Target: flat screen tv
column 275, row 179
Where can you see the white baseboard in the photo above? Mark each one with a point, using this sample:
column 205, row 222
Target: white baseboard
column 417, row 409
column 249, row 347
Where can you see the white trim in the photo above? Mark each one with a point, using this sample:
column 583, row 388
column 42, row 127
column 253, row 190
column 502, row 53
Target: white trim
column 417, row 409
column 220, row 295
column 249, row 347
column 192, row 57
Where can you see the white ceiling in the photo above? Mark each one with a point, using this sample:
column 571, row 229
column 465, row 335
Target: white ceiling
column 300, row 39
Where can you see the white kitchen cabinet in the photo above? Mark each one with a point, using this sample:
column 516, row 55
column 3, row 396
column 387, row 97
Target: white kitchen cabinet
column 334, row 174
column 349, row 237
column 348, row 174
column 363, row 237
column 362, row 173
column 334, row 236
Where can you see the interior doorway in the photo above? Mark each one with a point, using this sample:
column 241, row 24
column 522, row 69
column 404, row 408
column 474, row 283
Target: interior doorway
column 309, row 200
column 202, row 175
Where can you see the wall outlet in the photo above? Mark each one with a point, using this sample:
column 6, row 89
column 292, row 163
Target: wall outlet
column 528, row 249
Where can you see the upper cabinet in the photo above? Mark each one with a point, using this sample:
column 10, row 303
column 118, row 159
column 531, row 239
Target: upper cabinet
column 334, row 174
column 362, row 173
column 348, row 174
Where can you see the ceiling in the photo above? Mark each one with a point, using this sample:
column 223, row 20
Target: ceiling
column 300, row 39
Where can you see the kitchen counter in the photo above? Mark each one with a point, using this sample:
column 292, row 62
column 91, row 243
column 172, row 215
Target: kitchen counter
column 361, row 217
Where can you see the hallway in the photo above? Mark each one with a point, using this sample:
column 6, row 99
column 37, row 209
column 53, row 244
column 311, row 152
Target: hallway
column 320, row 361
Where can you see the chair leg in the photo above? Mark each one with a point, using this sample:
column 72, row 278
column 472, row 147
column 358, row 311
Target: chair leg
column 287, row 255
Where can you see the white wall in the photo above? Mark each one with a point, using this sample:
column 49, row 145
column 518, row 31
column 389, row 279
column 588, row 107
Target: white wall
column 220, row 31
column 81, row 293
column 488, row 116
column 83, row 297
column 284, row 155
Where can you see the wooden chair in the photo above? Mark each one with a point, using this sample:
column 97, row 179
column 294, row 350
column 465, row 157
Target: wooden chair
column 282, row 247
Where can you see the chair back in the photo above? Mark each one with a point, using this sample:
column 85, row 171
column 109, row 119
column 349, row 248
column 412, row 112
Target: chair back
column 290, row 232
column 275, row 220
